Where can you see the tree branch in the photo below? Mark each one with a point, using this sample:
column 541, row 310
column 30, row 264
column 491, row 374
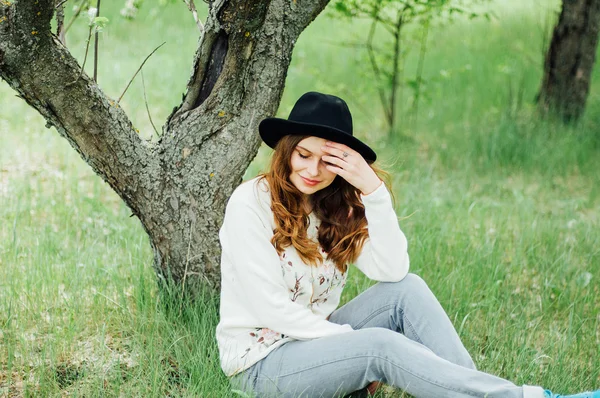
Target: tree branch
column 419, row 75
column 395, row 71
column 148, row 108
column 61, row 3
column 87, row 47
column 377, row 72
column 76, row 14
column 96, row 45
column 139, row 69
column 192, row 7
column 38, row 67
column 60, row 21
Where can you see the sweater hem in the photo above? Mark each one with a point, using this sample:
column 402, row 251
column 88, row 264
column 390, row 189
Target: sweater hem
column 231, row 371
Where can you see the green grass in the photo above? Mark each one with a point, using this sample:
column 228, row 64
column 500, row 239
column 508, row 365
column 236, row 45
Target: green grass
column 501, row 211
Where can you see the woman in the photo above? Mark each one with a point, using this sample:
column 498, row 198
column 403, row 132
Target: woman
column 287, row 238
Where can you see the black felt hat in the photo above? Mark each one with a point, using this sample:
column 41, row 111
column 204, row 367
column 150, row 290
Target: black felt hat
column 320, row 115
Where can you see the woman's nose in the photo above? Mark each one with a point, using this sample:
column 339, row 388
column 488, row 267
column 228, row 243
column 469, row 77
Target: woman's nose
column 313, row 168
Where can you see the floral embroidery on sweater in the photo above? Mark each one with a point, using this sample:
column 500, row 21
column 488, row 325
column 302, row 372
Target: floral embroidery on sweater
column 286, row 266
column 330, row 279
column 297, row 290
column 263, row 337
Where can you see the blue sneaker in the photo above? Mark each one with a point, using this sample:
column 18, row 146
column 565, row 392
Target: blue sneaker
column 591, row 394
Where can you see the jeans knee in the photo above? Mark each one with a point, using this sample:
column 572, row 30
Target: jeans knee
column 379, row 340
column 382, row 346
column 412, row 285
column 414, row 280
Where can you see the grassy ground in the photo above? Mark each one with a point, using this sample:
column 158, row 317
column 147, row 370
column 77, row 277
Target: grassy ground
column 501, row 211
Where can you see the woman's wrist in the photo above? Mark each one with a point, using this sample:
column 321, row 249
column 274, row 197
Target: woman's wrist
column 371, row 189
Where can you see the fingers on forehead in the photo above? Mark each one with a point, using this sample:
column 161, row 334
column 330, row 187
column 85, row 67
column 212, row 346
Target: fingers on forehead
column 339, row 146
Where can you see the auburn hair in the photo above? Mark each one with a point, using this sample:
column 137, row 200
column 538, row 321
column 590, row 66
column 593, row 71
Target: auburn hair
column 343, row 229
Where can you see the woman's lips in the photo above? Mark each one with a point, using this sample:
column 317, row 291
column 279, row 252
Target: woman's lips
column 311, row 183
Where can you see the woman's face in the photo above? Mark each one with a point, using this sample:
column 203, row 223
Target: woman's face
column 309, row 174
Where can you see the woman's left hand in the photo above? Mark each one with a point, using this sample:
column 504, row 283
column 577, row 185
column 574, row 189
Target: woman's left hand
column 352, row 167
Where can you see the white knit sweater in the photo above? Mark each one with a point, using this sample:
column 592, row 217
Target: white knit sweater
column 268, row 299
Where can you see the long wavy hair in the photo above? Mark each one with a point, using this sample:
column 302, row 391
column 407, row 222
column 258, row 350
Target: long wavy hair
column 343, row 229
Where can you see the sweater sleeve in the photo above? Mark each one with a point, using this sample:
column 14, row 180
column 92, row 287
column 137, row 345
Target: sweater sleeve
column 384, row 256
column 256, row 273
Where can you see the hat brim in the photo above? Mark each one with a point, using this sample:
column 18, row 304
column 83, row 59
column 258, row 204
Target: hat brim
column 272, row 129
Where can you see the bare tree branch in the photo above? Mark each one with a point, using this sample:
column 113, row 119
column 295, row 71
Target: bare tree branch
column 87, row 46
column 192, row 7
column 395, row 72
column 137, row 71
column 147, row 108
column 377, row 71
column 419, row 77
column 82, row 3
column 60, row 22
column 96, row 45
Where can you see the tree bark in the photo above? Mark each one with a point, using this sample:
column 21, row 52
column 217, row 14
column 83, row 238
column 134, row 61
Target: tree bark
column 570, row 60
column 179, row 186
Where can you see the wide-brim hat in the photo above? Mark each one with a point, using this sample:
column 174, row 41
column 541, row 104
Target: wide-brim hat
column 320, row 115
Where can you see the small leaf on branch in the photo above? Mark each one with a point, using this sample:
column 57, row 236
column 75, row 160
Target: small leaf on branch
column 99, row 23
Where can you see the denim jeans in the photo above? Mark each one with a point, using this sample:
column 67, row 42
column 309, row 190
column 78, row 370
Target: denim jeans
column 402, row 337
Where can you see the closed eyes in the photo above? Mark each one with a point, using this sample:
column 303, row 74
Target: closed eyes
column 308, row 156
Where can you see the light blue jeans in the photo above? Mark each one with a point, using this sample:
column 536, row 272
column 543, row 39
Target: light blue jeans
column 402, row 337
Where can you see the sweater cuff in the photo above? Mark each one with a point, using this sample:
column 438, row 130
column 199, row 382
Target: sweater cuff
column 379, row 195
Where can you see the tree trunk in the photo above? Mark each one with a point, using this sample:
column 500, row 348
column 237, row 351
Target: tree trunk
column 179, row 186
column 570, row 60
